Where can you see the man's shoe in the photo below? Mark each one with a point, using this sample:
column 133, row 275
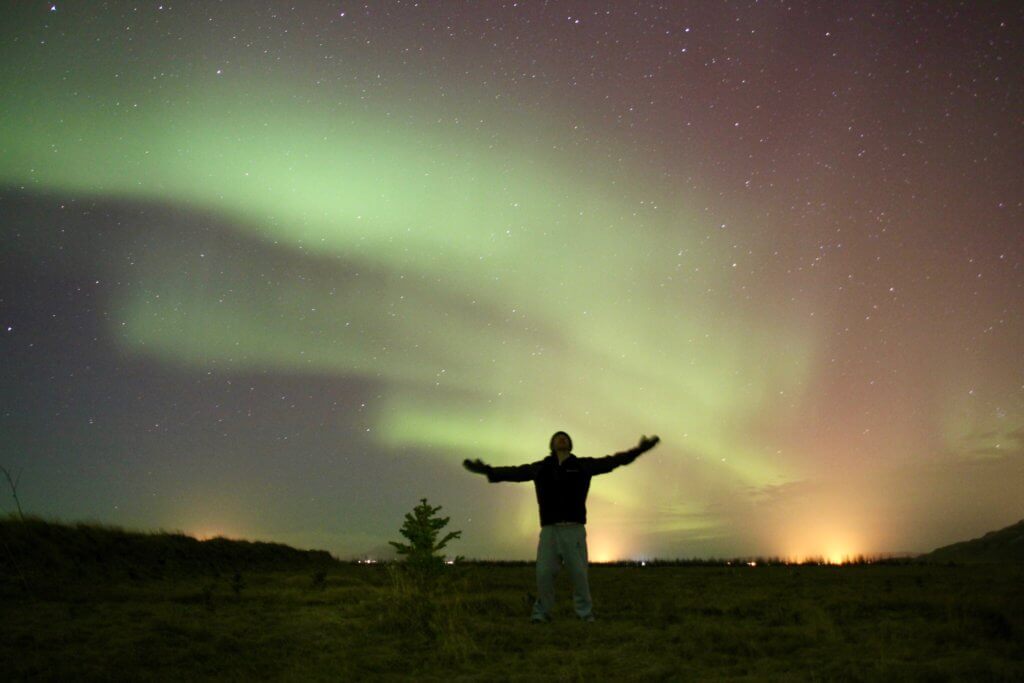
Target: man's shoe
column 540, row 620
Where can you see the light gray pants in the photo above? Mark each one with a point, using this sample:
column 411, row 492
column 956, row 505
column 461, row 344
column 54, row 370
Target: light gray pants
column 562, row 544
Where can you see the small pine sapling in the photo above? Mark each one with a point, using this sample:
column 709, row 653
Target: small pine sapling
column 421, row 528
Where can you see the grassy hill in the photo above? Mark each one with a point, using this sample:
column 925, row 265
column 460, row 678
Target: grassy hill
column 1004, row 545
column 37, row 550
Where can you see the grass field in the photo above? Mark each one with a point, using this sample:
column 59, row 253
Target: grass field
column 666, row 623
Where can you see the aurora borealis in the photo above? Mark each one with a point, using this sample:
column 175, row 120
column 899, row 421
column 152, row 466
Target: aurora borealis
column 274, row 272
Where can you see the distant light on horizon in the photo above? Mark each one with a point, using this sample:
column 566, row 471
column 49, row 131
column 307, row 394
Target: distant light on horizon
column 602, row 549
column 211, row 532
column 839, row 558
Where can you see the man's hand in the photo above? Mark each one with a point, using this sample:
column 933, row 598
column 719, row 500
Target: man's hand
column 647, row 444
column 476, row 466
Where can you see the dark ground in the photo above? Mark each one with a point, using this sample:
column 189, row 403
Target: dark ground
column 359, row 622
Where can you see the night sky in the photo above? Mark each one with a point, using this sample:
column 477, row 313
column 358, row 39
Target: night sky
column 273, row 271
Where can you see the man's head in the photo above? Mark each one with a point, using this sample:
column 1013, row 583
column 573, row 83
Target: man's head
column 560, row 441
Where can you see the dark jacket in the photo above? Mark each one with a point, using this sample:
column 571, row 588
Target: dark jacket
column 562, row 489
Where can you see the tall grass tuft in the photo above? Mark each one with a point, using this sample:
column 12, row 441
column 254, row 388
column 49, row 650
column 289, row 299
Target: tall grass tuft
column 432, row 614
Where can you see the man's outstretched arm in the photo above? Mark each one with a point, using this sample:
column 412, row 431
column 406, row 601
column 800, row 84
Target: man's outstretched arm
column 610, row 462
column 496, row 474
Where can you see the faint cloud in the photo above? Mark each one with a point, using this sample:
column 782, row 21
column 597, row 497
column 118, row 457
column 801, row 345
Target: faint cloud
column 995, row 443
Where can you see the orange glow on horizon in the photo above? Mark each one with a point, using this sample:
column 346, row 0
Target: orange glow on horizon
column 838, row 558
column 208, row 532
column 829, row 537
column 602, row 549
column 828, row 555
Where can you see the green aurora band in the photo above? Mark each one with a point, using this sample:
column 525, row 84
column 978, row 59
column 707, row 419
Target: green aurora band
column 503, row 289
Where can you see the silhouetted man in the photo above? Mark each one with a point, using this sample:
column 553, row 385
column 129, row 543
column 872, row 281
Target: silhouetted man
column 561, row 481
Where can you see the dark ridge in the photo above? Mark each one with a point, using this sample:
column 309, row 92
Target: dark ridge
column 34, row 549
column 1004, row 545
